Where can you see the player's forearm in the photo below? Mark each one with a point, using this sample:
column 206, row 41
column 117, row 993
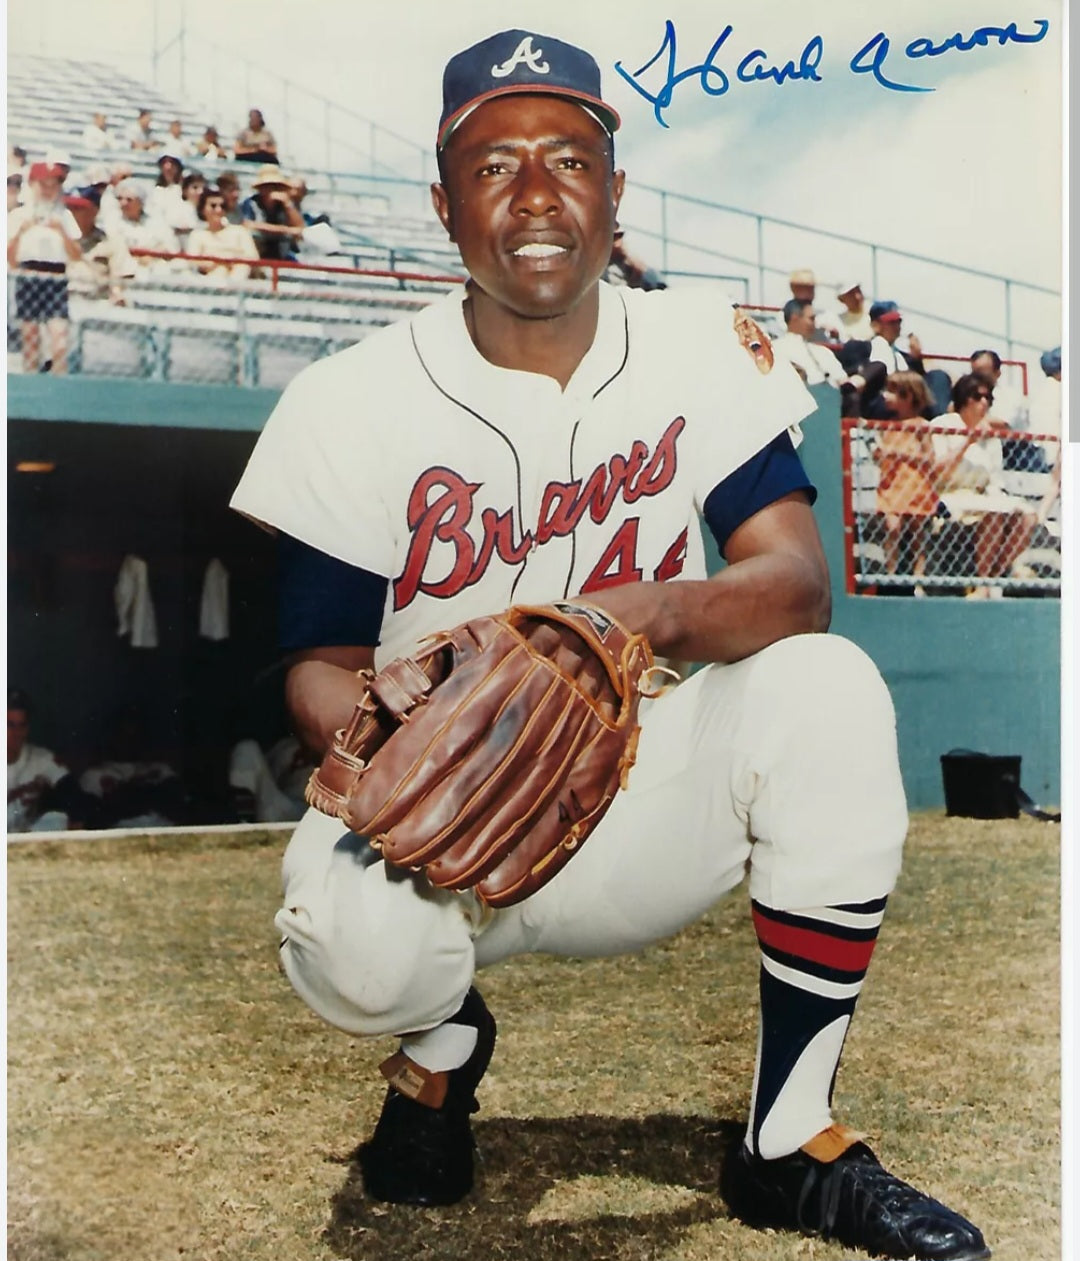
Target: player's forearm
column 741, row 610
column 320, row 698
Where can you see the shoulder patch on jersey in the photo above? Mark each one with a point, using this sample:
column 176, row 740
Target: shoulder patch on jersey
column 754, row 341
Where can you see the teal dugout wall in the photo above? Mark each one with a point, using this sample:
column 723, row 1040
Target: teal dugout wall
column 973, row 674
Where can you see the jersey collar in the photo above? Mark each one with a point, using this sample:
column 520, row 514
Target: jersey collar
column 458, row 369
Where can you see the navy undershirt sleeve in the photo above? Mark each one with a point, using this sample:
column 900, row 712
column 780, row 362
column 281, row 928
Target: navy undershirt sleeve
column 774, row 472
column 325, row 602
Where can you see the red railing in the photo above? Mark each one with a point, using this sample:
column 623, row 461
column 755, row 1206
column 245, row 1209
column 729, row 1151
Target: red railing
column 847, row 494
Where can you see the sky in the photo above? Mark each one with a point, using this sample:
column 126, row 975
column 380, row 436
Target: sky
column 970, row 171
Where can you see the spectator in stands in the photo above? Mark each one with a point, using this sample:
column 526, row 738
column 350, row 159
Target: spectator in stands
column 109, row 206
column 60, row 159
column 14, row 190
column 105, row 265
column 970, row 480
column 299, row 190
column 624, row 268
column 95, row 181
column 1045, row 410
column 218, row 238
column 177, row 142
column 42, row 237
column 255, row 143
column 141, row 136
column 318, row 238
column 166, row 195
column 186, row 214
column 271, row 215
column 1010, row 407
column 42, row 794
column 814, row 363
column 803, row 285
column 16, row 157
column 886, row 322
column 230, row 190
column 209, row 146
column 1045, row 418
column 907, row 496
column 140, row 231
column 853, row 317
column 96, row 136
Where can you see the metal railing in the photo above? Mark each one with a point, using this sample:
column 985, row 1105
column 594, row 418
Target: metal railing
column 680, row 224
column 269, row 319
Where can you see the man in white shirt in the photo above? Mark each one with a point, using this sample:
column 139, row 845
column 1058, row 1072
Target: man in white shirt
column 1045, row 412
column 43, row 238
column 96, row 137
column 1009, row 406
column 141, row 134
column 852, row 316
column 813, row 362
column 803, row 285
column 141, row 231
column 177, row 142
column 885, row 323
column 33, row 774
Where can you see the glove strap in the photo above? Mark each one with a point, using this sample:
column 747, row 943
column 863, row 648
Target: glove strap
column 400, row 687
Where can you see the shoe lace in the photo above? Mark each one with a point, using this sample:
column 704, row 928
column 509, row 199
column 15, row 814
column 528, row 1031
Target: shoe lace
column 863, row 1182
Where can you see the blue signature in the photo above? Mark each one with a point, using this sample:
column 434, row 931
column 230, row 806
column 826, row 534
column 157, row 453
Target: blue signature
column 877, row 49
column 753, row 68
column 757, row 67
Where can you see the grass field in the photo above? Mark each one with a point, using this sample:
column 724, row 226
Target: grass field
column 168, row 1097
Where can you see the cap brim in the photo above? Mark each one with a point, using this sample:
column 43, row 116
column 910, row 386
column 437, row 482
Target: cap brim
column 607, row 116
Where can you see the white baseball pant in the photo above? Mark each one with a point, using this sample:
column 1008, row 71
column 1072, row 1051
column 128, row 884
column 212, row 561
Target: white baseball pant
column 784, row 762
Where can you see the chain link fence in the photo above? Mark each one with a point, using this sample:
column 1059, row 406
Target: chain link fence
column 172, row 324
column 933, row 509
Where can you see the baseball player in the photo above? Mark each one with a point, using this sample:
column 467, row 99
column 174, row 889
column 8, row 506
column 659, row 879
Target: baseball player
column 537, row 436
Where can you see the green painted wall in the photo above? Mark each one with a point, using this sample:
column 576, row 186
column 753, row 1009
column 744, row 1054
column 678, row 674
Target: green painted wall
column 973, row 674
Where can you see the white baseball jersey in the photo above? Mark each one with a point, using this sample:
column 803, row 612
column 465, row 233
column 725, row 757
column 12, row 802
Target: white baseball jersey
column 472, row 486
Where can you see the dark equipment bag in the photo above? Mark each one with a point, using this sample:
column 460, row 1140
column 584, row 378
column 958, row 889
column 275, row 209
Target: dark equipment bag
column 985, row 786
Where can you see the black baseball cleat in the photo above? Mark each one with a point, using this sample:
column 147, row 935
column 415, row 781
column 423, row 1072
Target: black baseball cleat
column 422, row 1149
column 851, row 1199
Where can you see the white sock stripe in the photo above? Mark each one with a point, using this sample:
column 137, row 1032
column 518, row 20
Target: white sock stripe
column 845, row 919
column 801, row 1109
column 812, row 984
column 441, row 1049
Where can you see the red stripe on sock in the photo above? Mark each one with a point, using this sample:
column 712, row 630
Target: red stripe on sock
column 814, row 946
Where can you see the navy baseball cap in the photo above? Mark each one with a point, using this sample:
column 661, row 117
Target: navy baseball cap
column 885, row 311
column 520, row 61
column 1050, row 361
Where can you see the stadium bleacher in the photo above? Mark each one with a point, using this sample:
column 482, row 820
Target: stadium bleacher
column 260, row 333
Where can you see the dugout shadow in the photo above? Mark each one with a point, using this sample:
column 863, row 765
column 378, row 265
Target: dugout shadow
column 520, row 1161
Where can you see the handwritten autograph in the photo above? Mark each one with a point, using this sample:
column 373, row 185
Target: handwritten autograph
column 757, row 66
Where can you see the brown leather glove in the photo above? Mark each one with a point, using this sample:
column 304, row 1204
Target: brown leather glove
column 488, row 758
